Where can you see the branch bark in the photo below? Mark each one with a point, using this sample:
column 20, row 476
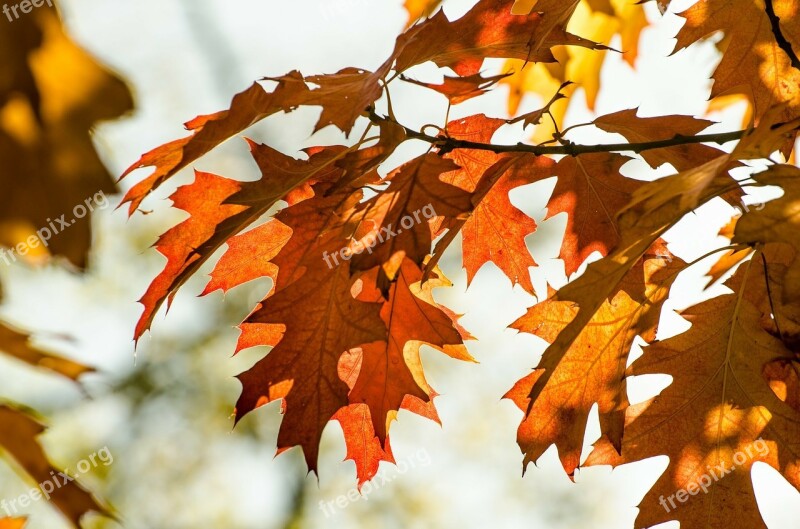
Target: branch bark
column 784, row 44
column 447, row 144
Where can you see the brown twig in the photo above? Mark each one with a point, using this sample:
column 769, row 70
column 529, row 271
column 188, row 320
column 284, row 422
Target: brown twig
column 447, row 144
column 784, row 44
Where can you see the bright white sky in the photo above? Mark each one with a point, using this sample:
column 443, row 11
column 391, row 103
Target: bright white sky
column 184, row 58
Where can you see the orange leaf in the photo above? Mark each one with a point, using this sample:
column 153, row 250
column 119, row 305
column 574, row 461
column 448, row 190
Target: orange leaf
column 496, row 229
column 487, row 30
column 753, row 62
column 640, row 130
column 389, row 370
column 363, row 446
column 591, row 190
column 718, row 417
column 220, row 208
column 592, row 370
column 399, row 220
column 358, row 88
column 460, row 89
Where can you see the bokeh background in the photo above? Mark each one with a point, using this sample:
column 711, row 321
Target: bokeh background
column 164, row 409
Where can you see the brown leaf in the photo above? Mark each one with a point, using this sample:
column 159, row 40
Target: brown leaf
column 753, row 63
column 487, row 30
column 17, row 344
column 592, row 370
column 591, row 190
column 535, row 117
column 343, row 96
column 777, row 222
column 321, row 320
column 495, row 229
column 398, row 222
column 52, row 93
column 312, row 317
column 18, row 436
column 460, row 89
column 642, row 130
column 718, row 417
column 389, row 371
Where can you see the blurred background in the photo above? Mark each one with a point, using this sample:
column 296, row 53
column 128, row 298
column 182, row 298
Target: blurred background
column 164, row 409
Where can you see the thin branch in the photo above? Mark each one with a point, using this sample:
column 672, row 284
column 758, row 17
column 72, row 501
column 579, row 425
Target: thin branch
column 447, row 144
column 769, row 296
column 784, row 44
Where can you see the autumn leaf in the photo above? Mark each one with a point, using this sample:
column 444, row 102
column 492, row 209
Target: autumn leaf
column 420, row 8
column 249, row 107
column 639, row 129
column 17, row 344
column 52, row 92
column 460, row 89
column 579, row 66
column 777, row 222
column 592, row 370
column 321, row 320
column 220, row 208
column 314, row 335
column 12, row 523
column 495, row 229
column 311, row 318
column 655, row 208
column 18, row 437
column 360, row 162
column 363, row 446
column 754, row 63
column 351, row 237
column 726, row 262
column 399, row 220
column 717, row 418
column 389, row 371
column 781, row 313
column 591, row 190
column 249, row 256
column 204, row 198
column 556, row 13
column 487, row 30
column 535, row 117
